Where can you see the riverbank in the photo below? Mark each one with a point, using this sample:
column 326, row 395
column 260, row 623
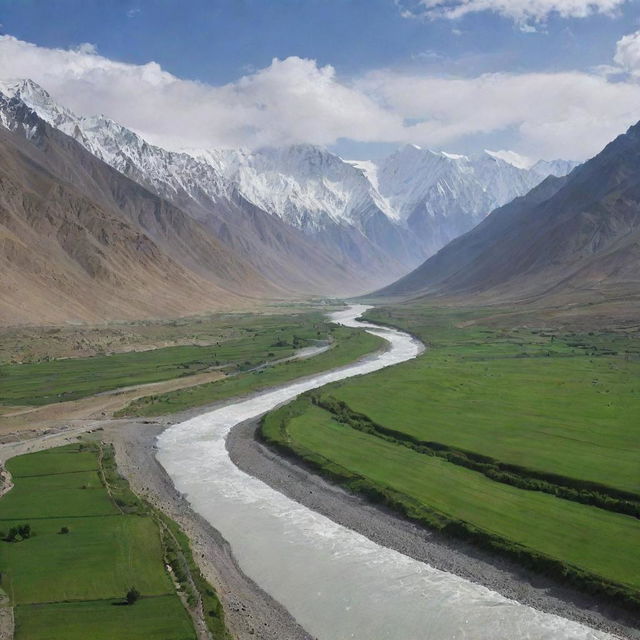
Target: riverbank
column 291, row 478
column 250, row 613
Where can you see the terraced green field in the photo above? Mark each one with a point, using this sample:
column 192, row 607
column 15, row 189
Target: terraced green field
column 531, row 399
column 575, row 416
column 71, row 585
column 158, row 618
column 524, row 440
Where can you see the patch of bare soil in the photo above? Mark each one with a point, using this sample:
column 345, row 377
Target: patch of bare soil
column 99, row 407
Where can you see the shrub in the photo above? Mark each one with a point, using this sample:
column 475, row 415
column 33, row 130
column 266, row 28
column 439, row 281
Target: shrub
column 21, row 532
column 133, row 595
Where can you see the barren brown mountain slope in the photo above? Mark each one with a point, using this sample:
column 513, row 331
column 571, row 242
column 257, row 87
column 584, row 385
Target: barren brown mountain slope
column 575, row 238
column 79, row 241
column 283, row 254
column 342, row 259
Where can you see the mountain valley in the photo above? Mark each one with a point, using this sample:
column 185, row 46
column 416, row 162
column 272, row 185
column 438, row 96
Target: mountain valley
column 300, row 219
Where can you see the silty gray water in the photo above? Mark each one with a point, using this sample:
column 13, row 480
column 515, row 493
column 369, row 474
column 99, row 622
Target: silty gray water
column 337, row 583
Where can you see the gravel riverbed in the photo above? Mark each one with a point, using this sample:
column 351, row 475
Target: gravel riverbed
column 291, row 478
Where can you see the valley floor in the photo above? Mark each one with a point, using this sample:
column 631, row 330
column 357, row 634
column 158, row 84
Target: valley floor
column 296, row 480
column 249, row 611
column 521, row 441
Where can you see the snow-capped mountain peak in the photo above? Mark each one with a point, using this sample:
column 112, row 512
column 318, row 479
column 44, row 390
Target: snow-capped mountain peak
column 419, row 197
column 511, row 157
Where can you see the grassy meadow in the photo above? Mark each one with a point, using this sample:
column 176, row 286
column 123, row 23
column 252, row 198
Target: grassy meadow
column 463, row 494
column 240, row 344
column 525, row 440
column 348, row 345
column 30, row 344
column 159, row 618
column 91, row 540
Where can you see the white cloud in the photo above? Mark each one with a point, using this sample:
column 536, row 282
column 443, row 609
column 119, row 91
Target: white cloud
column 568, row 114
column 571, row 115
column 628, row 53
column 87, row 47
column 521, row 11
column 291, row 100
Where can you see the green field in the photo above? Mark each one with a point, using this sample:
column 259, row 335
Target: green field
column 349, row 345
column 29, row 343
column 495, row 435
column 524, row 398
column 160, row 618
column 72, row 585
column 252, row 342
column 463, row 494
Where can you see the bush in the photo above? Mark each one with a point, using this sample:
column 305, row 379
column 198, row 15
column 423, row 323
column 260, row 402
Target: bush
column 25, row 531
column 21, row 532
column 133, row 595
column 64, row 530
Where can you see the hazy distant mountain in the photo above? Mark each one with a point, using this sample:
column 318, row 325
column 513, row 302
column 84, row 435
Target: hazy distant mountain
column 439, row 195
column 568, row 235
column 80, row 241
column 409, row 204
column 330, row 200
column 305, row 218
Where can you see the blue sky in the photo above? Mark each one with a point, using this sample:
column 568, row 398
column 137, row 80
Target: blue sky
column 218, row 40
column 374, row 50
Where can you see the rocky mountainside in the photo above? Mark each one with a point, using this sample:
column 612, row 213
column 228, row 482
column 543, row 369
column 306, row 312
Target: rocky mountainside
column 80, row 241
column 570, row 236
column 440, row 195
column 409, row 204
column 281, row 251
column 305, row 218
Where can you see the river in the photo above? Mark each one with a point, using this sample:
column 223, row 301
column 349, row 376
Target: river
column 335, row 582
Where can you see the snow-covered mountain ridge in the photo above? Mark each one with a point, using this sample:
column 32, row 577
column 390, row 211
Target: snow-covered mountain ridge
column 402, row 208
column 303, row 184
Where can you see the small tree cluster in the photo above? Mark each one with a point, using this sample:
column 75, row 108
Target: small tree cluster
column 21, row 532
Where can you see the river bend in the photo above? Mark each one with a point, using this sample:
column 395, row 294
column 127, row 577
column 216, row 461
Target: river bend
column 335, row 582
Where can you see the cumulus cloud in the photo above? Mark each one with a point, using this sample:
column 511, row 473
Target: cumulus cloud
column 291, row 100
column 551, row 114
column 569, row 115
column 628, row 53
column 521, row 11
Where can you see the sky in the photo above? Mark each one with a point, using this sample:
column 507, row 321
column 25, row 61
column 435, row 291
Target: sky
column 543, row 78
